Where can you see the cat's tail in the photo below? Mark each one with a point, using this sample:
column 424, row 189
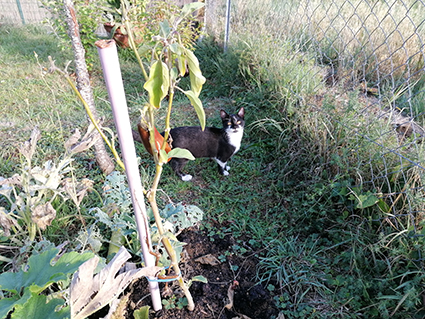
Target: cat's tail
column 145, row 136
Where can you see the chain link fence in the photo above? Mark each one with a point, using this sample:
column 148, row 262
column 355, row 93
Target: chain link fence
column 360, row 64
column 20, row 12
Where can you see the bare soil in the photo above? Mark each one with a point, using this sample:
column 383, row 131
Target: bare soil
column 205, row 257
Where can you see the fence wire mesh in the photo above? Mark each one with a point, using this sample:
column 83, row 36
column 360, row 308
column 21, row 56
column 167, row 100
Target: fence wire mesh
column 360, row 64
column 22, row 12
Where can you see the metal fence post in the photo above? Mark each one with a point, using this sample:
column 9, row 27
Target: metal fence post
column 21, row 13
column 227, row 29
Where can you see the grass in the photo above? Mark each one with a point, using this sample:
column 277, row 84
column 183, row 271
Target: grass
column 325, row 195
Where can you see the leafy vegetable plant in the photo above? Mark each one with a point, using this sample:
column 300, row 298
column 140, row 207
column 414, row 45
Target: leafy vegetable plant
column 26, row 289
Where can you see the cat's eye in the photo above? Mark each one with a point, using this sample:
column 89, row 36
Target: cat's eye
column 238, row 122
column 229, row 123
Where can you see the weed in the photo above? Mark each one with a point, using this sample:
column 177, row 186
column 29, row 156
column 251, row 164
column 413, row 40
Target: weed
column 174, row 302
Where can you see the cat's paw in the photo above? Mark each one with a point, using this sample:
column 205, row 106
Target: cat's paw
column 186, row 177
column 225, row 173
column 227, row 168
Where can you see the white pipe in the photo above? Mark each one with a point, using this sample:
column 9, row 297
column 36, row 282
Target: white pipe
column 112, row 74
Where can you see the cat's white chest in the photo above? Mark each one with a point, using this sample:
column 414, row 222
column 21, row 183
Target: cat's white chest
column 235, row 138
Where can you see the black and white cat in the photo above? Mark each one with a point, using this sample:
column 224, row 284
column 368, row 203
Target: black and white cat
column 218, row 144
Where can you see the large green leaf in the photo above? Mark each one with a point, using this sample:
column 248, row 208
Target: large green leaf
column 197, row 104
column 40, row 273
column 158, row 83
column 195, row 74
column 182, row 216
column 37, row 308
column 7, row 304
column 181, row 153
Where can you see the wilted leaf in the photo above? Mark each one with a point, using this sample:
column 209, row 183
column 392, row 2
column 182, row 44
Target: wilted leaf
column 158, row 83
column 6, row 221
column 7, row 182
column 230, row 296
column 77, row 190
column 28, row 148
column 208, row 259
column 89, row 294
column 76, row 145
column 73, row 139
column 118, row 308
column 43, row 215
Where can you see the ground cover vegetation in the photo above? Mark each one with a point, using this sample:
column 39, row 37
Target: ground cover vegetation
column 316, row 196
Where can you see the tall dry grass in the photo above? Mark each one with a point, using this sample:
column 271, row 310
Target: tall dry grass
column 377, row 41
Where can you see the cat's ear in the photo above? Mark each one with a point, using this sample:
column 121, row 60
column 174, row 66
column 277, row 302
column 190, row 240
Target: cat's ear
column 223, row 114
column 241, row 112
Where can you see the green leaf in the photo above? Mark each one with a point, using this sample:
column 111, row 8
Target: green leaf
column 182, row 216
column 182, row 65
column 163, row 156
column 40, row 273
column 164, row 28
column 176, row 48
column 383, row 206
column 181, row 153
column 191, row 7
column 7, row 304
column 366, row 200
column 195, row 74
column 173, row 74
column 197, row 104
column 158, row 83
column 200, row 278
column 37, row 308
column 142, row 313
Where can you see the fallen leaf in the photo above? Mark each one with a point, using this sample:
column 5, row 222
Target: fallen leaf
column 208, row 260
column 231, row 294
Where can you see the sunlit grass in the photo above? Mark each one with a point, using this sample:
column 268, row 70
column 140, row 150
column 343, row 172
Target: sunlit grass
column 31, row 96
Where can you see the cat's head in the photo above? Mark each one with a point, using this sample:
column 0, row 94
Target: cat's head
column 233, row 122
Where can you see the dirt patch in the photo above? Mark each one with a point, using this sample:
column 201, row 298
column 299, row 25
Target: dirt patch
column 205, row 257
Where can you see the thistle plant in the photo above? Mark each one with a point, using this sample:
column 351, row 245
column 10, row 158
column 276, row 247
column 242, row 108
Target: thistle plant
column 31, row 193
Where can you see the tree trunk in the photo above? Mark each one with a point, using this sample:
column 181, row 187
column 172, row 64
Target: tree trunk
column 103, row 159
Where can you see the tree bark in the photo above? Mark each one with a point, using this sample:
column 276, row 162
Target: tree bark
column 103, row 159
